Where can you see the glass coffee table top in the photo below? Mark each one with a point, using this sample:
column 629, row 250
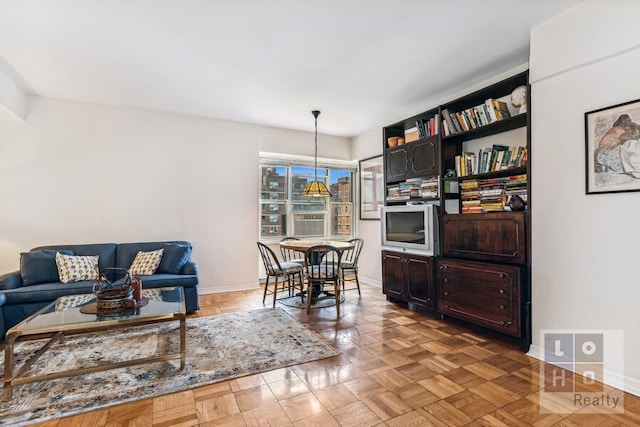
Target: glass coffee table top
column 65, row 313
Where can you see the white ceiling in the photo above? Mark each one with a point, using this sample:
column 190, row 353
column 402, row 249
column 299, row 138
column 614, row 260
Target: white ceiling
column 363, row 63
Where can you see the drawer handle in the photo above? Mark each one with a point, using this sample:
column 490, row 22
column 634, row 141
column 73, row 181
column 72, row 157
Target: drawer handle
column 502, row 291
column 443, row 267
column 446, row 293
column 507, row 323
column 446, row 306
column 502, row 306
column 445, row 280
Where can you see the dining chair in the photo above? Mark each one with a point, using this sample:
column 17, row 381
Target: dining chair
column 322, row 274
column 349, row 264
column 291, row 255
column 284, row 274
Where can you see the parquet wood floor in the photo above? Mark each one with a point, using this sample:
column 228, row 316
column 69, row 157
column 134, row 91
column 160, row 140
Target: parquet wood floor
column 397, row 368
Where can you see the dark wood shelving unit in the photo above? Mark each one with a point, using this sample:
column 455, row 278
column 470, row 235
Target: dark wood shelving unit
column 483, row 272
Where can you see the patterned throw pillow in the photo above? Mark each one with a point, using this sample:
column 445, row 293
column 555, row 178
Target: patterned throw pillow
column 146, row 263
column 76, row 268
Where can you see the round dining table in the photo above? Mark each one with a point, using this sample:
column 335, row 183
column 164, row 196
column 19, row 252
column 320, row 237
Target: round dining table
column 302, row 245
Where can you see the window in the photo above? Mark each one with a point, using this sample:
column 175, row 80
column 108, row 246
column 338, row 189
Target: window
column 283, row 212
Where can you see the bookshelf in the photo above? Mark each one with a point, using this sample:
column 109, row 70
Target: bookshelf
column 477, row 149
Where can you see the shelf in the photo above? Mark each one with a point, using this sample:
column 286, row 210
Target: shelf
column 432, row 138
column 497, row 174
column 491, row 129
column 412, row 200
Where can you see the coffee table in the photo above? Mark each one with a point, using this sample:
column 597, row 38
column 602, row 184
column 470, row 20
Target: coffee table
column 64, row 317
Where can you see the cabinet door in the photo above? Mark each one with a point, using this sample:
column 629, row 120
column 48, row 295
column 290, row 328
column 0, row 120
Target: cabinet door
column 420, row 280
column 396, row 161
column 485, row 294
column 423, row 158
column 393, row 277
column 498, row 237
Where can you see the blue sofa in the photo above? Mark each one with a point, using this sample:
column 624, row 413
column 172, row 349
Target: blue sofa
column 36, row 284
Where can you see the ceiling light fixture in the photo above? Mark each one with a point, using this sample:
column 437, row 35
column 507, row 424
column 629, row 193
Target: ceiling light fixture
column 315, row 188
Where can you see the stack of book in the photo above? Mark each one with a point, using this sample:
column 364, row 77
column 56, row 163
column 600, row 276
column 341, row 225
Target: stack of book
column 516, row 185
column 393, row 193
column 470, row 197
column 491, row 111
column 491, row 195
column 429, row 188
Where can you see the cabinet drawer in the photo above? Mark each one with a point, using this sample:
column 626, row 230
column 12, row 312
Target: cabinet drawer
column 498, row 237
column 486, row 294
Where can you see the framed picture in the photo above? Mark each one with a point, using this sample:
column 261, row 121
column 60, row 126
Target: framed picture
column 612, row 137
column 371, row 187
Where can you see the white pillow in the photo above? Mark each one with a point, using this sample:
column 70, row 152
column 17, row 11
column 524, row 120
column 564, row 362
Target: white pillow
column 146, row 263
column 76, row 268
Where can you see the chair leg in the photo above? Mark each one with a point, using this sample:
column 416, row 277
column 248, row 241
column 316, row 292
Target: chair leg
column 337, row 293
column 266, row 285
column 309, row 291
column 275, row 292
column 357, row 282
column 301, row 283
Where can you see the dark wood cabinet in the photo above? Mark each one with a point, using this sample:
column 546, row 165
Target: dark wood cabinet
column 498, row 237
column 409, row 278
column 412, row 160
column 396, row 163
column 486, row 294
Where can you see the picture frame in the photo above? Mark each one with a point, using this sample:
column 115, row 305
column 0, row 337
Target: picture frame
column 371, row 187
column 612, row 149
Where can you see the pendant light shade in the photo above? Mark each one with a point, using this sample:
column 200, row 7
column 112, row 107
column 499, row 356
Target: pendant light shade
column 315, row 188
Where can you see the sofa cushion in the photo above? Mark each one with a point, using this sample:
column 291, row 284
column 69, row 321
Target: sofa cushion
column 146, row 263
column 76, row 268
column 106, row 252
column 126, row 252
column 39, row 266
column 174, row 258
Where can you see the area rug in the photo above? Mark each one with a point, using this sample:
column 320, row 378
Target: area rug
column 218, row 348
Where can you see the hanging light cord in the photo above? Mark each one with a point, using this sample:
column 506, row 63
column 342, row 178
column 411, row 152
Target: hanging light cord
column 316, row 113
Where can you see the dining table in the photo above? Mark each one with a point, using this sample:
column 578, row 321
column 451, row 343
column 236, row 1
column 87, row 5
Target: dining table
column 302, row 245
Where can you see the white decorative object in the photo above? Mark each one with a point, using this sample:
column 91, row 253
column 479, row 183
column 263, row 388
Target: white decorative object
column 519, row 99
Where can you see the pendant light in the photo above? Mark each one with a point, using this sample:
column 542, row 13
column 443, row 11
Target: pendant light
column 315, row 188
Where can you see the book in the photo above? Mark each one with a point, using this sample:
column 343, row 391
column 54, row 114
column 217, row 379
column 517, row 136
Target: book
column 463, row 124
column 491, row 110
column 502, row 110
column 447, row 119
column 411, row 134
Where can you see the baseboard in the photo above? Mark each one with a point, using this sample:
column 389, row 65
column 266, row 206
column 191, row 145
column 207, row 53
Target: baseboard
column 614, row 379
column 227, row 288
column 372, row 282
column 217, row 289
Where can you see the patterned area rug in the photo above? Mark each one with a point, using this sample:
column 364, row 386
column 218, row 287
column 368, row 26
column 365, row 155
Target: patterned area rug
column 218, row 348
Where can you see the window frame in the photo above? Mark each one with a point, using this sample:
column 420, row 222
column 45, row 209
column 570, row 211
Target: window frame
column 289, row 162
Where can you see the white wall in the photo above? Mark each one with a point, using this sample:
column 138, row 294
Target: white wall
column 81, row 173
column 584, row 246
column 369, row 144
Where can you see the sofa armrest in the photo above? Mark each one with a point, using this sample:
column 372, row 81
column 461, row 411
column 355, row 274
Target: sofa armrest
column 191, row 267
column 11, row 280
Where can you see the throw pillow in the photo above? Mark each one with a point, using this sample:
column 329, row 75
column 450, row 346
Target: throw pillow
column 174, row 258
column 77, row 268
column 39, row 267
column 146, row 263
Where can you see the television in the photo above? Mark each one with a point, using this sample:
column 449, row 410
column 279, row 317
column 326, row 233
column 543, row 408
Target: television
column 411, row 228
